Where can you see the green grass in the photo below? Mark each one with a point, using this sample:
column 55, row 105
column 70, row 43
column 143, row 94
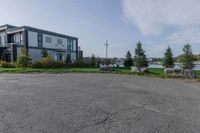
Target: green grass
column 198, row 74
column 157, row 72
column 49, row 70
column 152, row 72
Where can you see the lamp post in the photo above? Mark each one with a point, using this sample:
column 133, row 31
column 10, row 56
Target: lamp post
column 106, row 49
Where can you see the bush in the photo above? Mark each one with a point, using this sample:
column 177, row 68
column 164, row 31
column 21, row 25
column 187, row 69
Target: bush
column 37, row 64
column 24, row 61
column 68, row 59
column 58, row 64
column 48, row 62
column 187, row 58
column 140, row 59
column 128, row 62
column 5, row 64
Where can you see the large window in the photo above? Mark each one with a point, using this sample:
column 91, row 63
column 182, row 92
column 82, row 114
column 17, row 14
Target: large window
column 48, row 39
column 59, row 41
column 40, row 41
column 69, row 44
column 21, row 38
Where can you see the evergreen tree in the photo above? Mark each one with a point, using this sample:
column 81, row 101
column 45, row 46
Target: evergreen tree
column 93, row 61
column 44, row 53
column 168, row 60
column 128, row 62
column 68, row 59
column 140, row 59
column 187, row 58
column 23, row 60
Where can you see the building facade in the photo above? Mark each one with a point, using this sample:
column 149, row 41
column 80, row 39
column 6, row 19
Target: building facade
column 13, row 38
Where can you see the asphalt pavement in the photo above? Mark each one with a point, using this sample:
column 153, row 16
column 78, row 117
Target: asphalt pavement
column 97, row 103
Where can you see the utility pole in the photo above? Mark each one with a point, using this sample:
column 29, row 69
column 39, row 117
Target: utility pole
column 106, row 49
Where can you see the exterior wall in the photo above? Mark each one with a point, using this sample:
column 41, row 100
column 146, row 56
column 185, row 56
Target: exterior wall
column 18, row 38
column 2, row 35
column 73, row 56
column 35, row 53
column 53, row 44
column 32, row 39
column 28, row 36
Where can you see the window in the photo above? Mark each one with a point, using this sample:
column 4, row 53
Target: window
column 74, row 45
column 40, row 41
column 59, row 41
column 48, row 39
column 21, row 38
column 40, row 38
column 12, row 39
column 68, row 44
column 0, row 40
column 59, row 57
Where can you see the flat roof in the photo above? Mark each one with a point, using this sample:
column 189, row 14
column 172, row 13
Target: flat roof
column 14, row 29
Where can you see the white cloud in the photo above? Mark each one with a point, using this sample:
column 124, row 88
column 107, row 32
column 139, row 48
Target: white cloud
column 153, row 17
column 187, row 36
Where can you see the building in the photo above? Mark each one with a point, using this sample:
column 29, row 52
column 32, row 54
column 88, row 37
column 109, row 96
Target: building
column 13, row 38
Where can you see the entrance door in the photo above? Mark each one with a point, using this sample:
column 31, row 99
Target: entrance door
column 6, row 55
column 59, row 57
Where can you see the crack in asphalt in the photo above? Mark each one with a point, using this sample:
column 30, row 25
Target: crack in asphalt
column 103, row 121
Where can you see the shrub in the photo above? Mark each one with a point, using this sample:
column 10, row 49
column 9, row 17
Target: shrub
column 23, row 60
column 58, row 64
column 80, row 63
column 187, row 58
column 44, row 53
column 37, row 64
column 5, row 64
column 168, row 60
column 48, row 62
column 128, row 62
column 68, row 59
column 93, row 61
column 140, row 59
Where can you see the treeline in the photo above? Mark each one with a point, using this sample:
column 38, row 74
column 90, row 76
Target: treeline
column 140, row 59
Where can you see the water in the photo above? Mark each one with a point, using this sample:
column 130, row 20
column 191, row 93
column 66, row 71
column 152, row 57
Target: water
column 196, row 67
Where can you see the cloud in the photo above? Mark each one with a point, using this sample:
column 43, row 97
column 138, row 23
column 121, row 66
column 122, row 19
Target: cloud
column 187, row 36
column 154, row 17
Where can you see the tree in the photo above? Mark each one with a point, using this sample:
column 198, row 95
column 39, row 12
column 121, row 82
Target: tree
column 140, row 59
column 93, row 61
column 44, row 53
column 68, row 59
column 187, row 58
column 198, row 57
column 128, row 62
column 168, row 60
column 23, row 60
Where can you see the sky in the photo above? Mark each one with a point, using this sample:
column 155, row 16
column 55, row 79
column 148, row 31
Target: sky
column 155, row 23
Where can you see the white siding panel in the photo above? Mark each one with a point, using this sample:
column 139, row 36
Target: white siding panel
column 73, row 56
column 17, row 38
column 33, row 39
column 2, row 34
column 54, row 44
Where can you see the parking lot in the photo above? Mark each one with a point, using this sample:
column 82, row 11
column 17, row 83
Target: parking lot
column 97, row 103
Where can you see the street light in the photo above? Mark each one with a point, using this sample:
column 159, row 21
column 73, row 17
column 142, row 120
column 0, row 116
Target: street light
column 106, row 49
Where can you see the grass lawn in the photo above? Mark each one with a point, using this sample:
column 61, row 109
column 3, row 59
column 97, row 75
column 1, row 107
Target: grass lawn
column 198, row 74
column 49, row 70
column 153, row 72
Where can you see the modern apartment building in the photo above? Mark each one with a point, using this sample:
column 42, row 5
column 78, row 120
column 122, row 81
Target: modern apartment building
column 13, row 38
